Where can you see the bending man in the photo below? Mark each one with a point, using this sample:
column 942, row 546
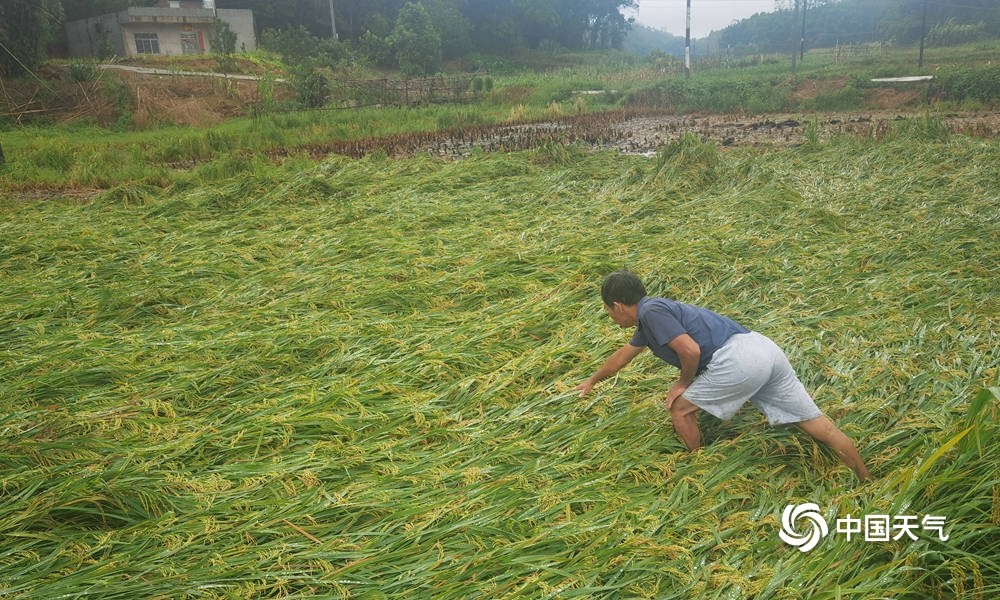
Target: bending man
column 722, row 366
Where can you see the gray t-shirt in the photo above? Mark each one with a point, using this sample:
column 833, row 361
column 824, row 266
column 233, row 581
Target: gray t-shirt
column 661, row 320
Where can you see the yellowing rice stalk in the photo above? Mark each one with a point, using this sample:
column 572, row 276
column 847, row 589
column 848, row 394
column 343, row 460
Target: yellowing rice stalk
column 356, row 381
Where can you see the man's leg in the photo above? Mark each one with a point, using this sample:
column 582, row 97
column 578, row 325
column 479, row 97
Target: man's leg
column 685, row 418
column 823, row 430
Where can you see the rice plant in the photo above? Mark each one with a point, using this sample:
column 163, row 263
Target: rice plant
column 355, row 380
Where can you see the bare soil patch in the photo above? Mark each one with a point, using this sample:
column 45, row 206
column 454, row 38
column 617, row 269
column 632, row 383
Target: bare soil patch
column 888, row 98
column 188, row 100
column 646, row 132
column 811, row 88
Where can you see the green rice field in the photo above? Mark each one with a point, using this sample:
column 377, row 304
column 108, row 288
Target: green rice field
column 353, row 379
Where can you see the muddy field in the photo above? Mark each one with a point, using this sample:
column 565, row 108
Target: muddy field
column 156, row 99
column 645, row 133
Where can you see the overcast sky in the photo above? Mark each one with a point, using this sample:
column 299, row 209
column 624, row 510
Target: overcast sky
column 706, row 15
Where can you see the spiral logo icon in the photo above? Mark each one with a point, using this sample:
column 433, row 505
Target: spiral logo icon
column 817, row 528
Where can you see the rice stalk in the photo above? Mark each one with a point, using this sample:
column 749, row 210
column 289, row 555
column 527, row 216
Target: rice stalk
column 357, row 381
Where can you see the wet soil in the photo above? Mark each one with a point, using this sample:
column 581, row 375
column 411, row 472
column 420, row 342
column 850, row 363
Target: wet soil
column 646, row 132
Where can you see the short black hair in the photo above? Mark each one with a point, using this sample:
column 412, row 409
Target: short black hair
column 622, row 286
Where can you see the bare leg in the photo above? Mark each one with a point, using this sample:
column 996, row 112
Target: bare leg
column 685, row 418
column 823, row 430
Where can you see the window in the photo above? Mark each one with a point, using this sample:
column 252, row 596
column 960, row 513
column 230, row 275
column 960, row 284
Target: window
column 189, row 43
column 147, row 43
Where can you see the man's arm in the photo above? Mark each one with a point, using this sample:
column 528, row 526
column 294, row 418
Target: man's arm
column 612, row 365
column 689, row 353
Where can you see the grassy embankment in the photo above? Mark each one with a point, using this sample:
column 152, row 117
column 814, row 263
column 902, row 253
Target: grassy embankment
column 354, row 379
column 75, row 157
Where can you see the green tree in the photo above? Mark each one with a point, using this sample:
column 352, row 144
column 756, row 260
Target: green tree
column 224, row 45
column 500, row 25
column 312, row 15
column 905, row 25
column 377, row 17
column 830, row 23
column 376, row 49
column 417, row 41
column 224, row 40
column 297, row 46
column 353, row 18
column 294, row 44
column 26, row 28
column 538, row 20
column 593, row 24
column 453, row 26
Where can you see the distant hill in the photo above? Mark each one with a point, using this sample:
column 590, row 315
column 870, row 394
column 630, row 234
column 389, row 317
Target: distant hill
column 644, row 40
column 830, row 23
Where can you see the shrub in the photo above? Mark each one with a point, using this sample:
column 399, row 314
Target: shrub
column 960, row 85
column 926, row 129
column 122, row 99
column 952, row 33
column 83, row 71
column 843, row 99
column 297, row 46
column 311, row 88
column 224, row 45
column 376, row 49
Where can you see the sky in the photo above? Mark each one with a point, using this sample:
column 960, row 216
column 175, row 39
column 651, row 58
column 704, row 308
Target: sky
column 706, row 15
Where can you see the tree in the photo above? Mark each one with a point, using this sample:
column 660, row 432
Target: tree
column 539, row 20
column 907, row 22
column 224, row 39
column 26, row 28
column 417, row 41
column 454, row 27
column 593, row 24
column 224, row 45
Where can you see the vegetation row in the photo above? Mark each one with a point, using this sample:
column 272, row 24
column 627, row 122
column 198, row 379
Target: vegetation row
column 354, row 378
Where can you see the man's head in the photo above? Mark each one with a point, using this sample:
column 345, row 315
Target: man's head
column 621, row 293
column 624, row 287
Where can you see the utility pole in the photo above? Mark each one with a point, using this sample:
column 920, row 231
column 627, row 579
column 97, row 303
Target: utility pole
column 687, row 42
column 923, row 34
column 333, row 22
column 802, row 38
column 795, row 55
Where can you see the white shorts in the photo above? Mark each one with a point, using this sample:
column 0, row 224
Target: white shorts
column 749, row 366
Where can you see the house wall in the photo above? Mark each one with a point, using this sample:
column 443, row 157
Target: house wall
column 85, row 36
column 241, row 22
column 168, row 36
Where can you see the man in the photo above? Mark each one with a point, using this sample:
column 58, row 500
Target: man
column 722, row 366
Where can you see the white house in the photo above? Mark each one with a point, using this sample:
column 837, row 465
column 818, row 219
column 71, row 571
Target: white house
column 169, row 28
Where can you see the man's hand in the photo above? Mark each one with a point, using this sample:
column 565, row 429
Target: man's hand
column 612, row 365
column 675, row 391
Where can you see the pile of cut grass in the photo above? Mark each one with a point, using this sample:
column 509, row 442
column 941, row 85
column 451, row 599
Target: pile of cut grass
column 355, row 381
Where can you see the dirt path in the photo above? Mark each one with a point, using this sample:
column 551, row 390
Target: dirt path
column 156, row 71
